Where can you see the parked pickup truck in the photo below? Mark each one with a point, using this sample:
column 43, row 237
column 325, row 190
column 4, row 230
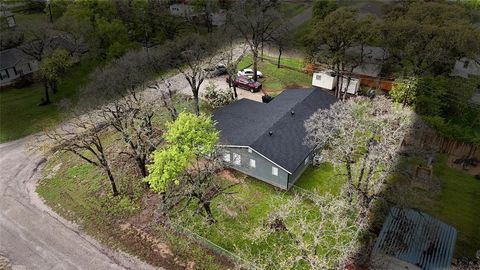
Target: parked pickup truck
column 246, row 83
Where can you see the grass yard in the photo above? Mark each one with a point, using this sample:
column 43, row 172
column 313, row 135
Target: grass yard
column 241, row 214
column 291, row 9
column 20, row 114
column 276, row 79
column 456, row 203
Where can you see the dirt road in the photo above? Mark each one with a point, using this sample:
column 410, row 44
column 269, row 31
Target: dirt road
column 34, row 237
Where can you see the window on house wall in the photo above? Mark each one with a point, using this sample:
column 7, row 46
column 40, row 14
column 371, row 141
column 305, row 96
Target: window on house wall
column 275, row 171
column 237, row 159
column 253, row 163
column 466, row 63
column 318, row 77
column 3, row 74
column 226, row 156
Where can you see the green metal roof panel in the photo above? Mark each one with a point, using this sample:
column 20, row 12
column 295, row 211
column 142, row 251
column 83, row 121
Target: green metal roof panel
column 417, row 238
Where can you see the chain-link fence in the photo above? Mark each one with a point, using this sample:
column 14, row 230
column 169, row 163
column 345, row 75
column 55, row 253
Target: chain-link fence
column 211, row 246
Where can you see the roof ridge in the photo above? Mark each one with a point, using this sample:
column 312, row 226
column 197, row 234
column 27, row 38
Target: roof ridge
column 283, row 114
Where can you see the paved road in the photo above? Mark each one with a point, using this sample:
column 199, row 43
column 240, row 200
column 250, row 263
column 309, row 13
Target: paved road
column 34, row 237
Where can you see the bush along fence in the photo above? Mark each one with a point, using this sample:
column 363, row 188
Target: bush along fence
column 204, row 242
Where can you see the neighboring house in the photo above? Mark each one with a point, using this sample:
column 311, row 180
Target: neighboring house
column 218, row 18
column 266, row 141
column 466, row 67
column 182, row 10
column 412, row 240
column 372, row 62
column 327, row 80
column 7, row 19
column 14, row 64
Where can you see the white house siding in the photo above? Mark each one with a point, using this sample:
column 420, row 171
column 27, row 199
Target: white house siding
column 466, row 67
column 263, row 167
column 324, row 80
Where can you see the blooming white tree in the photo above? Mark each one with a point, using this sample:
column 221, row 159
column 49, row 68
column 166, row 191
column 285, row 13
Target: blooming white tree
column 364, row 137
column 305, row 232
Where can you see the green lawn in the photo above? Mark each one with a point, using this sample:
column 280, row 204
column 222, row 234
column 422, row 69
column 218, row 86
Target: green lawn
column 20, row 114
column 456, row 203
column 241, row 214
column 291, row 9
column 321, row 179
column 276, row 79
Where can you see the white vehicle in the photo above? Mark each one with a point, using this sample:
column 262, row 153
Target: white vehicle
column 249, row 73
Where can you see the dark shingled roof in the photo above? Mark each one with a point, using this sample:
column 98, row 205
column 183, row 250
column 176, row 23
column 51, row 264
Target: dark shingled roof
column 11, row 57
column 248, row 123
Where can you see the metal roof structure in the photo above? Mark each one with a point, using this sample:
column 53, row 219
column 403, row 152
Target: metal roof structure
column 416, row 238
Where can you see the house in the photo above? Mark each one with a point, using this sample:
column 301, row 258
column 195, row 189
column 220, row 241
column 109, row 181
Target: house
column 466, row 67
column 266, row 140
column 14, row 63
column 367, row 63
column 218, row 18
column 7, row 19
column 182, row 10
column 412, row 240
column 327, row 80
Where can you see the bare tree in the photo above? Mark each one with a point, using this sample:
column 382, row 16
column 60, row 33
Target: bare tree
column 255, row 21
column 281, row 40
column 364, row 137
column 132, row 117
column 321, row 234
column 167, row 94
column 195, row 54
column 198, row 186
column 231, row 56
column 83, row 137
column 127, row 107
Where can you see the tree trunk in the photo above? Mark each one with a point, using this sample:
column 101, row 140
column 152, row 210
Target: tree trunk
column 208, row 211
column 47, row 96
column 53, row 86
column 279, row 56
column 141, row 166
column 196, row 106
column 112, row 181
column 346, row 88
column 261, row 58
column 235, row 91
column 255, row 65
column 350, row 180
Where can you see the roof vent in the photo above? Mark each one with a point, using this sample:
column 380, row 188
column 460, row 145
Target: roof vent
column 292, row 112
column 270, row 133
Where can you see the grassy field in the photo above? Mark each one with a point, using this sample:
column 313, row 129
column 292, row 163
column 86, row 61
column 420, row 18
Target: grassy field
column 456, row 203
column 276, row 79
column 20, row 114
column 291, row 9
column 241, row 214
